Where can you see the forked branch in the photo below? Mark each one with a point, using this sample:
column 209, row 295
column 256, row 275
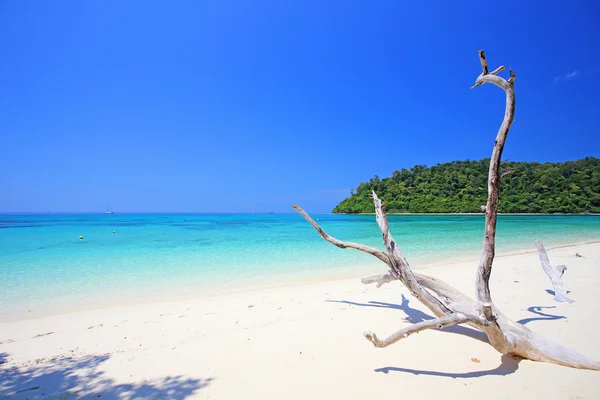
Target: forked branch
column 343, row 245
column 448, row 304
column 401, row 267
column 555, row 274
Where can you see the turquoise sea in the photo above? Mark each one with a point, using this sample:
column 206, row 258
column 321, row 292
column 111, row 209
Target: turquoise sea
column 45, row 267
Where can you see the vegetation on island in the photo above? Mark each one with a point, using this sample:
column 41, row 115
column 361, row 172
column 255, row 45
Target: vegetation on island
column 461, row 187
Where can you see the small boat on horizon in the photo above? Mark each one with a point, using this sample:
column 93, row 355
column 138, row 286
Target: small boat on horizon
column 108, row 211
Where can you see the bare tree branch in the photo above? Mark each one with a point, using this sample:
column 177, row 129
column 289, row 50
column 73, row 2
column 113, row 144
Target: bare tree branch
column 497, row 70
column 380, row 280
column 438, row 323
column 507, row 172
column 555, row 274
column 491, row 209
column 343, row 245
column 483, row 61
column 401, row 266
column 448, row 304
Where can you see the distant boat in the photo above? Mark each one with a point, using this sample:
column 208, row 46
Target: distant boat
column 108, row 211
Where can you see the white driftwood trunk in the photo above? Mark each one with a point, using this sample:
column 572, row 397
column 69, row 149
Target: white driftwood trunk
column 450, row 306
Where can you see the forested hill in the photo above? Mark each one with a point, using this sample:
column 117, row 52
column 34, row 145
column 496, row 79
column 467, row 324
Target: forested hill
column 461, row 186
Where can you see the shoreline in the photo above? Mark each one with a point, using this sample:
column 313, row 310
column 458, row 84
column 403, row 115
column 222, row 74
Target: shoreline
column 274, row 341
column 271, row 342
column 282, row 281
column 50, row 271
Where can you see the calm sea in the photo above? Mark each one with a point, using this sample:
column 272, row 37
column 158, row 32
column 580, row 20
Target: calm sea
column 45, row 267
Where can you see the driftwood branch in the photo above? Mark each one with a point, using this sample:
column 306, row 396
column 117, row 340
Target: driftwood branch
column 483, row 61
column 401, row 267
column 507, row 172
column 438, row 323
column 555, row 274
column 448, row 304
column 497, row 70
column 343, row 245
column 380, row 280
column 484, row 270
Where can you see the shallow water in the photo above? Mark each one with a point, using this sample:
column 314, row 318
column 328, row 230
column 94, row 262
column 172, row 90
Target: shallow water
column 44, row 266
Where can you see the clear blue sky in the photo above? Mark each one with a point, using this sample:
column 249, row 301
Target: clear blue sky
column 216, row 106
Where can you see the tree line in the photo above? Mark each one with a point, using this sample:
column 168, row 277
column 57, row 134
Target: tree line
column 461, row 187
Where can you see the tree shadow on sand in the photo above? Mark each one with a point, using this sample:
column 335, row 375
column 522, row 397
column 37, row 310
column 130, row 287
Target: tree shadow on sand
column 542, row 316
column 509, row 364
column 414, row 316
column 82, row 378
column 553, row 293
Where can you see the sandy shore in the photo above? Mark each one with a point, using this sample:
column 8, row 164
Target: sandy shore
column 305, row 341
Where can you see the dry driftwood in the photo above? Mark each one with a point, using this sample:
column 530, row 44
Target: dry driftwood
column 450, row 306
column 554, row 273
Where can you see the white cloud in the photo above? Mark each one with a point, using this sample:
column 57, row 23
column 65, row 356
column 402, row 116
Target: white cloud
column 571, row 74
column 565, row 77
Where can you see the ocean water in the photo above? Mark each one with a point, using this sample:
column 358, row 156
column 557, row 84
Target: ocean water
column 45, row 267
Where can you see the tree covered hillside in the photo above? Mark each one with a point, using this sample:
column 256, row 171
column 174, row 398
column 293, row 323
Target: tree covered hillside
column 461, row 186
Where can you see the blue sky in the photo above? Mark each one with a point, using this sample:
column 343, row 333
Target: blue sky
column 216, row 106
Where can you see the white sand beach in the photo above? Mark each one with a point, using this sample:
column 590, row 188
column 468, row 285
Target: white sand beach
column 305, row 341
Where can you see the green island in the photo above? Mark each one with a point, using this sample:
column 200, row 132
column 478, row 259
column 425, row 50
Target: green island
column 461, row 187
